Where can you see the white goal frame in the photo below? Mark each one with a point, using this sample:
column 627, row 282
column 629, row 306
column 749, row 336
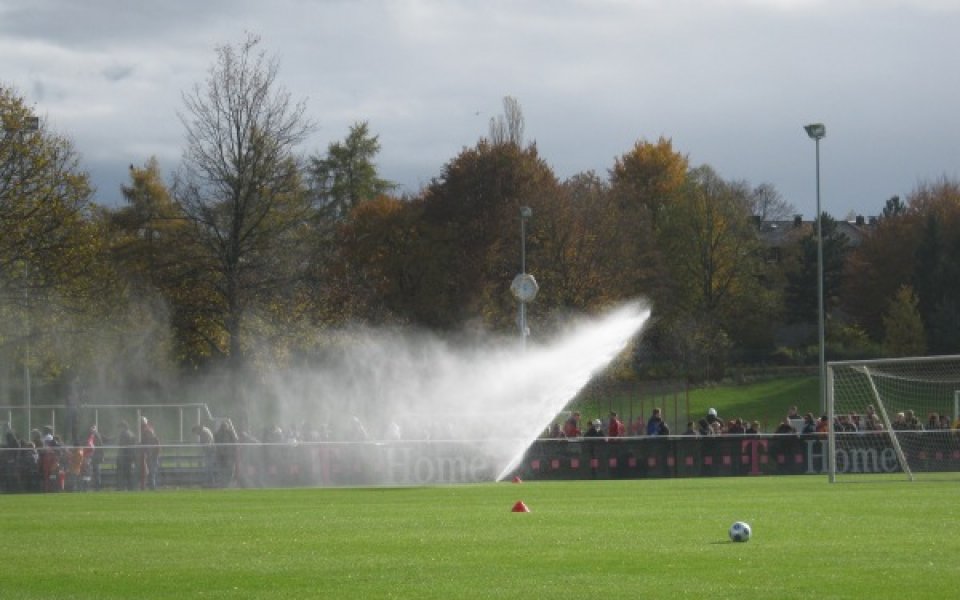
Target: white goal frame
column 937, row 381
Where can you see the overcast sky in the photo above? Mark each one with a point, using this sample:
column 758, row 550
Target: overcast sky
column 731, row 82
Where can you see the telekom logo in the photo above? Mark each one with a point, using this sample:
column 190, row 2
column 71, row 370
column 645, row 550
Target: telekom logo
column 754, row 445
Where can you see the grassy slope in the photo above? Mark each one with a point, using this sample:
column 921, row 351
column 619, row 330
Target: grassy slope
column 765, row 401
column 612, row 539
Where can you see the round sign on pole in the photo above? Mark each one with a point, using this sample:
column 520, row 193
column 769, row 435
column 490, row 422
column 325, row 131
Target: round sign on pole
column 524, row 287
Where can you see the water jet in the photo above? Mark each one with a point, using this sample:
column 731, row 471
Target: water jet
column 406, row 409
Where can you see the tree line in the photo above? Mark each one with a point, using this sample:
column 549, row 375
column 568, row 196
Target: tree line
column 253, row 256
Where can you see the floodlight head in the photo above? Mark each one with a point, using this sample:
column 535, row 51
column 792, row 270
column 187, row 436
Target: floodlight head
column 816, row 130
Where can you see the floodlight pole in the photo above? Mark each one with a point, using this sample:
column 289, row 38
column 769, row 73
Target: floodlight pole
column 525, row 213
column 817, row 131
column 30, row 124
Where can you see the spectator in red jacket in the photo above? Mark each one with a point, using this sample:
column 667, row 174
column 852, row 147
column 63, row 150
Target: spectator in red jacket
column 615, row 427
column 571, row 428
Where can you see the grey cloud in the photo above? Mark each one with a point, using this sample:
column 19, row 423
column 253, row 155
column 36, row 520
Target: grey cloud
column 103, row 22
column 118, row 72
column 731, row 83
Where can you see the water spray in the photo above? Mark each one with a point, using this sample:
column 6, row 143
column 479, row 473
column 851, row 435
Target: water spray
column 432, row 411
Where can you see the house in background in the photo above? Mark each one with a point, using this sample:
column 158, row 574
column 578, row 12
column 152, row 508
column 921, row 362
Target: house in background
column 777, row 235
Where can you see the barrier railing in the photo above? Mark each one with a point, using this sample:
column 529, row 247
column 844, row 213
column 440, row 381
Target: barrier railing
column 78, row 468
column 72, row 421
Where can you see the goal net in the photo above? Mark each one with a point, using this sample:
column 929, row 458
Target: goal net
column 894, row 416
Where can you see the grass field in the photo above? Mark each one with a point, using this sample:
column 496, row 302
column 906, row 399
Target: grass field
column 766, row 401
column 881, row 538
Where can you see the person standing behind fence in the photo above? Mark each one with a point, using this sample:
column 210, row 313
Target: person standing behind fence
column 615, row 427
column 655, row 423
column 126, row 456
column 74, row 467
column 50, row 455
column 249, row 466
column 205, row 439
column 149, row 455
column 596, row 429
column 703, row 427
column 28, row 463
column 571, row 427
column 272, row 452
column 11, row 468
column 226, row 439
column 712, row 417
column 95, row 457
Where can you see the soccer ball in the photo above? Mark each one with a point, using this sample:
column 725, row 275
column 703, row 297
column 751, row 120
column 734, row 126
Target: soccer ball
column 740, row 532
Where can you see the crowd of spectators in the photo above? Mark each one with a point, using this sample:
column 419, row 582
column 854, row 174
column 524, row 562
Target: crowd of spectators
column 654, row 425
column 711, row 424
column 43, row 462
column 221, row 453
column 227, row 455
column 906, row 420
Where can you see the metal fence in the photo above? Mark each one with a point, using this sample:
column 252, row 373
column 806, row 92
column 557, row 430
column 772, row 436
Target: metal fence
column 71, row 423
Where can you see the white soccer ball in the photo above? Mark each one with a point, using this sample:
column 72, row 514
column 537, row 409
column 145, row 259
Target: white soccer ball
column 740, row 532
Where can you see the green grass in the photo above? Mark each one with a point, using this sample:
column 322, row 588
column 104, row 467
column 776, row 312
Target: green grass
column 606, row 539
column 765, row 401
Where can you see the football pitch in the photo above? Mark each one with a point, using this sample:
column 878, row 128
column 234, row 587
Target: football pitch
column 667, row 538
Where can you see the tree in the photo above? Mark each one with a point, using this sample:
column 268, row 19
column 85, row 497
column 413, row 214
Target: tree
column 55, row 281
column 154, row 248
column 934, row 276
column 767, row 203
column 914, row 244
column 894, row 207
column 708, row 241
column 903, row 327
column 240, row 189
column 347, row 175
column 377, row 272
column 944, row 332
column 715, row 260
column 877, row 268
column 508, row 127
column 148, row 231
column 589, row 260
column 644, row 182
column 648, row 177
column 46, row 206
column 936, row 269
column 801, row 303
column 471, row 222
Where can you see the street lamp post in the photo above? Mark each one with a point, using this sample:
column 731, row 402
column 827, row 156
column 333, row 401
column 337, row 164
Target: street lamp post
column 817, row 131
column 524, row 286
column 525, row 213
column 29, row 124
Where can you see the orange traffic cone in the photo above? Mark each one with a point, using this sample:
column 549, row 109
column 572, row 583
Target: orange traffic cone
column 520, row 507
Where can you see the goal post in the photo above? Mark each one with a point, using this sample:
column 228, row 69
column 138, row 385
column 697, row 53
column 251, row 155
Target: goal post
column 896, row 415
